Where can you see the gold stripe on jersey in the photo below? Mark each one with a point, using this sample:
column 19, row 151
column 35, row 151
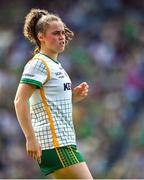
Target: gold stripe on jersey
column 47, row 68
column 52, row 128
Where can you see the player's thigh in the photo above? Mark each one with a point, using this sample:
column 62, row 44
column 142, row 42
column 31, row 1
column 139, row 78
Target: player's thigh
column 76, row 171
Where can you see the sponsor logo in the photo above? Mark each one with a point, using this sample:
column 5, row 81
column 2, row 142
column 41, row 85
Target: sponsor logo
column 59, row 75
column 67, row 86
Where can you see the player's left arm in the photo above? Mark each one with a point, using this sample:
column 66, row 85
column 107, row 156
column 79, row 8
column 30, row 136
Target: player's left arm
column 80, row 92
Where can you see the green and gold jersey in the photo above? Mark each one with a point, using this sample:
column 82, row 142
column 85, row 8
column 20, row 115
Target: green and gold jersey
column 51, row 102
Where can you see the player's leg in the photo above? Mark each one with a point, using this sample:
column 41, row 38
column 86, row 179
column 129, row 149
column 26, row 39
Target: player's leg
column 76, row 171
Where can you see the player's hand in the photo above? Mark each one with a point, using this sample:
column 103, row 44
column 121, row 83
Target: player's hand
column 80, row 92
column 33, row 149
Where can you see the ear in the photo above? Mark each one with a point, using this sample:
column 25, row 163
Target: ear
column 40, row 36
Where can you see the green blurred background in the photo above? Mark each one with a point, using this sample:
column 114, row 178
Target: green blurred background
column 108, row 53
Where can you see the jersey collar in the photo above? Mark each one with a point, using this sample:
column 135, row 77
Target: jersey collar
column 50, row 58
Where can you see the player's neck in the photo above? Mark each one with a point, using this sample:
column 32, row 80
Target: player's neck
column 53, row 55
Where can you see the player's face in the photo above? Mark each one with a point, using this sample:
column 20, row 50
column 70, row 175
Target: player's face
column 54, row 38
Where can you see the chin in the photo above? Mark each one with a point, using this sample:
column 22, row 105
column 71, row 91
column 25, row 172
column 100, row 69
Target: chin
column 61, row 50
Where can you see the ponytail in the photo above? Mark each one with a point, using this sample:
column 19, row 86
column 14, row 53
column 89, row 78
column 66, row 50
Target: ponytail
column 30, row 30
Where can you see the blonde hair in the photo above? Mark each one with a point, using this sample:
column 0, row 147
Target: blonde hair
column 37, row 20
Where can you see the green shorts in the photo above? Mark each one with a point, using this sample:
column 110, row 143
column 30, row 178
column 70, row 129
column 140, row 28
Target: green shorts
column 54, row 159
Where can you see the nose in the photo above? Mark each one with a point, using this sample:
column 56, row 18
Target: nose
column 62, row 36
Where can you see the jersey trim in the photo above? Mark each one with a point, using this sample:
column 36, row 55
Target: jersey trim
column 47, row 68
column 50, row 58
column 31, row 81
column 52, row 128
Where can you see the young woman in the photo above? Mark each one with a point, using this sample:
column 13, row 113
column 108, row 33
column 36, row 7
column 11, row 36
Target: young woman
column 44, row 98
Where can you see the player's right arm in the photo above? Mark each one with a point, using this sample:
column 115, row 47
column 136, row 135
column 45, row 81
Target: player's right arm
column 23, row 94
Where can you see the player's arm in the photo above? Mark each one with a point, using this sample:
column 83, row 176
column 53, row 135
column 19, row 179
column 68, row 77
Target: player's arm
column 23, row 94
column 80, row 92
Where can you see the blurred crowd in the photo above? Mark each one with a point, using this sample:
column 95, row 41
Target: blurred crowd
column 108, row 53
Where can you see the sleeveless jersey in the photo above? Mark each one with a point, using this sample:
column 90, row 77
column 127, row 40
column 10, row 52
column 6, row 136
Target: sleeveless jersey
column 51, row 102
